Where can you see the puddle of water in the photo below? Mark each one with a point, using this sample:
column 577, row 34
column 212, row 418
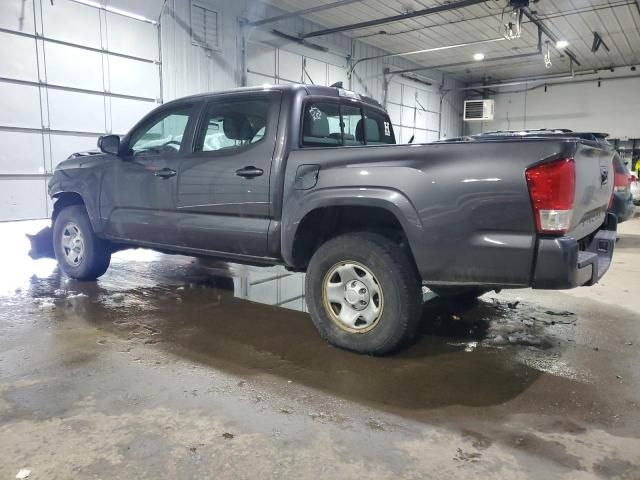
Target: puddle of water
column 199, row 307
column 142, row 279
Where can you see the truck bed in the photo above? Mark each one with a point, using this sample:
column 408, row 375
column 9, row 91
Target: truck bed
column 465, row 205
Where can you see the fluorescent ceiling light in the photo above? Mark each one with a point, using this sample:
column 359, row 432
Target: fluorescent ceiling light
column 478, row 56
column 562, row 44
column 119, row 11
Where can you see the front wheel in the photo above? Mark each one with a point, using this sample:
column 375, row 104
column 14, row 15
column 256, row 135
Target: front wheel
column 363, row 293
column 80, row 253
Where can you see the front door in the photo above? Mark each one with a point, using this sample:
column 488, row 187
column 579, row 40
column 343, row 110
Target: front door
column 138, row 192
column 223, row 185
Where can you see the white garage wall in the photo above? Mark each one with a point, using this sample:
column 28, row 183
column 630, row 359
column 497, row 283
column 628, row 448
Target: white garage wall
column 414, row 109
column 613, row 107
column 188, row 68
column 269, row 64
column 68, row 73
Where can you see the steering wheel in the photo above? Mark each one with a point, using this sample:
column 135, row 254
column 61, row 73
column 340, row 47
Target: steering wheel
column 172, row 142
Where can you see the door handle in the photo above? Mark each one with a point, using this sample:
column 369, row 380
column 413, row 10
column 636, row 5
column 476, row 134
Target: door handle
column 165, row 173
column 249, row 172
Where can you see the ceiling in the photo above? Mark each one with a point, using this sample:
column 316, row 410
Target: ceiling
column 616, row 21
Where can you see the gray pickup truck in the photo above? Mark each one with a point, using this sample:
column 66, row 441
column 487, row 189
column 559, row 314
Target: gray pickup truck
column 310, row 178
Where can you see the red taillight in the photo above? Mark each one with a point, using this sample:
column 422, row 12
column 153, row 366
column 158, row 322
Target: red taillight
column 552, row 187
column 621, row 180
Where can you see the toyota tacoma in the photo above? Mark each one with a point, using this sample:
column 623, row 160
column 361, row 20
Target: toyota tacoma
column 311, row 178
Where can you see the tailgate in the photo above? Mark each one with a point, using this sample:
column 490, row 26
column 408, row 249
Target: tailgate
column 594, row 186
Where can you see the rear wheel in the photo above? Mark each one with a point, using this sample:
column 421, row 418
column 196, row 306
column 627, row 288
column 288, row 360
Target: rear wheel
column 363, row 293
column 80, row 253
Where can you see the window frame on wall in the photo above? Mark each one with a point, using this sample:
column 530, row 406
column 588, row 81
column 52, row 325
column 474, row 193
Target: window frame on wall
column 206, row 7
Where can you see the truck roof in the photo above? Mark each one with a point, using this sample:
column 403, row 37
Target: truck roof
column 320, row 90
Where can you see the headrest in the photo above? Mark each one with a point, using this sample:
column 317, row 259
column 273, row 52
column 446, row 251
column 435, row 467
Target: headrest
column 237, row 126
column 316, row 123
column 372, row 131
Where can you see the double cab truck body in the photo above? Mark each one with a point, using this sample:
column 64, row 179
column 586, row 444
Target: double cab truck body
column 310, row 178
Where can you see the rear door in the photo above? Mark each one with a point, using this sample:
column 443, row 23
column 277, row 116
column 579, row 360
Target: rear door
column 223, row 189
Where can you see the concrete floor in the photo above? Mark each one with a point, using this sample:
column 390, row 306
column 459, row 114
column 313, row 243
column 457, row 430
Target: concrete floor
column 159, row 370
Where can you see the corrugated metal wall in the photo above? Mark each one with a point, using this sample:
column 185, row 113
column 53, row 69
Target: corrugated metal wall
column 188, row 68
column 69, row 73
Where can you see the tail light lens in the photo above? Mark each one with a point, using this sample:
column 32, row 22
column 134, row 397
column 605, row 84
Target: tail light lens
column 621, row 182
column 552, row 187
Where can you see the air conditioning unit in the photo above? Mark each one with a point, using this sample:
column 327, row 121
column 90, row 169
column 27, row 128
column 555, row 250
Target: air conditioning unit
column 478, row 110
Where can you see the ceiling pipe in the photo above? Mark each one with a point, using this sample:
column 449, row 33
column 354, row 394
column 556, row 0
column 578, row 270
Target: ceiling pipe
column 293, row 38
column 395, row 18
column 300, row 13
column 538, row 23
column 426, row 50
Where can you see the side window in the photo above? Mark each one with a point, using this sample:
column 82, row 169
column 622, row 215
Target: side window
column 321, row 125
column 233, row 124
column 376, row 128
column 164, row 135
column 351, row 117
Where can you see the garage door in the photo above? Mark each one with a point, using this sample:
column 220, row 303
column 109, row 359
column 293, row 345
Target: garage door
column 267, row 64
column 414, row 110
column 69, row 73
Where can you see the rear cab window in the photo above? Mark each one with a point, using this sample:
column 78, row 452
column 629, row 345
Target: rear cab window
column 328, row 123
column 377, row 126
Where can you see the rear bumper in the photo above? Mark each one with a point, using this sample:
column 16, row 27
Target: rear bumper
column 560, row 264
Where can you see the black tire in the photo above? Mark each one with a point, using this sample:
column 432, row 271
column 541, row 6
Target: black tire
column 396, row 276
column 461, row 295
column 96, row 252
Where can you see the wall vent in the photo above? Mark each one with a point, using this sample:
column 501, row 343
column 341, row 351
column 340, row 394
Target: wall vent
column 478, row 110
column 205, row 26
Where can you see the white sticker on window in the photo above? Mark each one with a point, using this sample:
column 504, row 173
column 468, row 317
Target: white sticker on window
column 315, row 113
column 387, row 130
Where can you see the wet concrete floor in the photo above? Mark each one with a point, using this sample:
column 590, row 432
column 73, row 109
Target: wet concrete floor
column 170, row 367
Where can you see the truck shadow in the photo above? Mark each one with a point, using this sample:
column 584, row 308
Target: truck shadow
column 193, row 311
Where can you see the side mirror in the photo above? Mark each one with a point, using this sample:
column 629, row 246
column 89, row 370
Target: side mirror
column 109, row 144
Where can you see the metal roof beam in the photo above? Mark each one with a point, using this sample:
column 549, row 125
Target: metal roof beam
column 555, row 79
column 538, row 23
column 425, row 50
column 395, row 18
column 462, row 64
